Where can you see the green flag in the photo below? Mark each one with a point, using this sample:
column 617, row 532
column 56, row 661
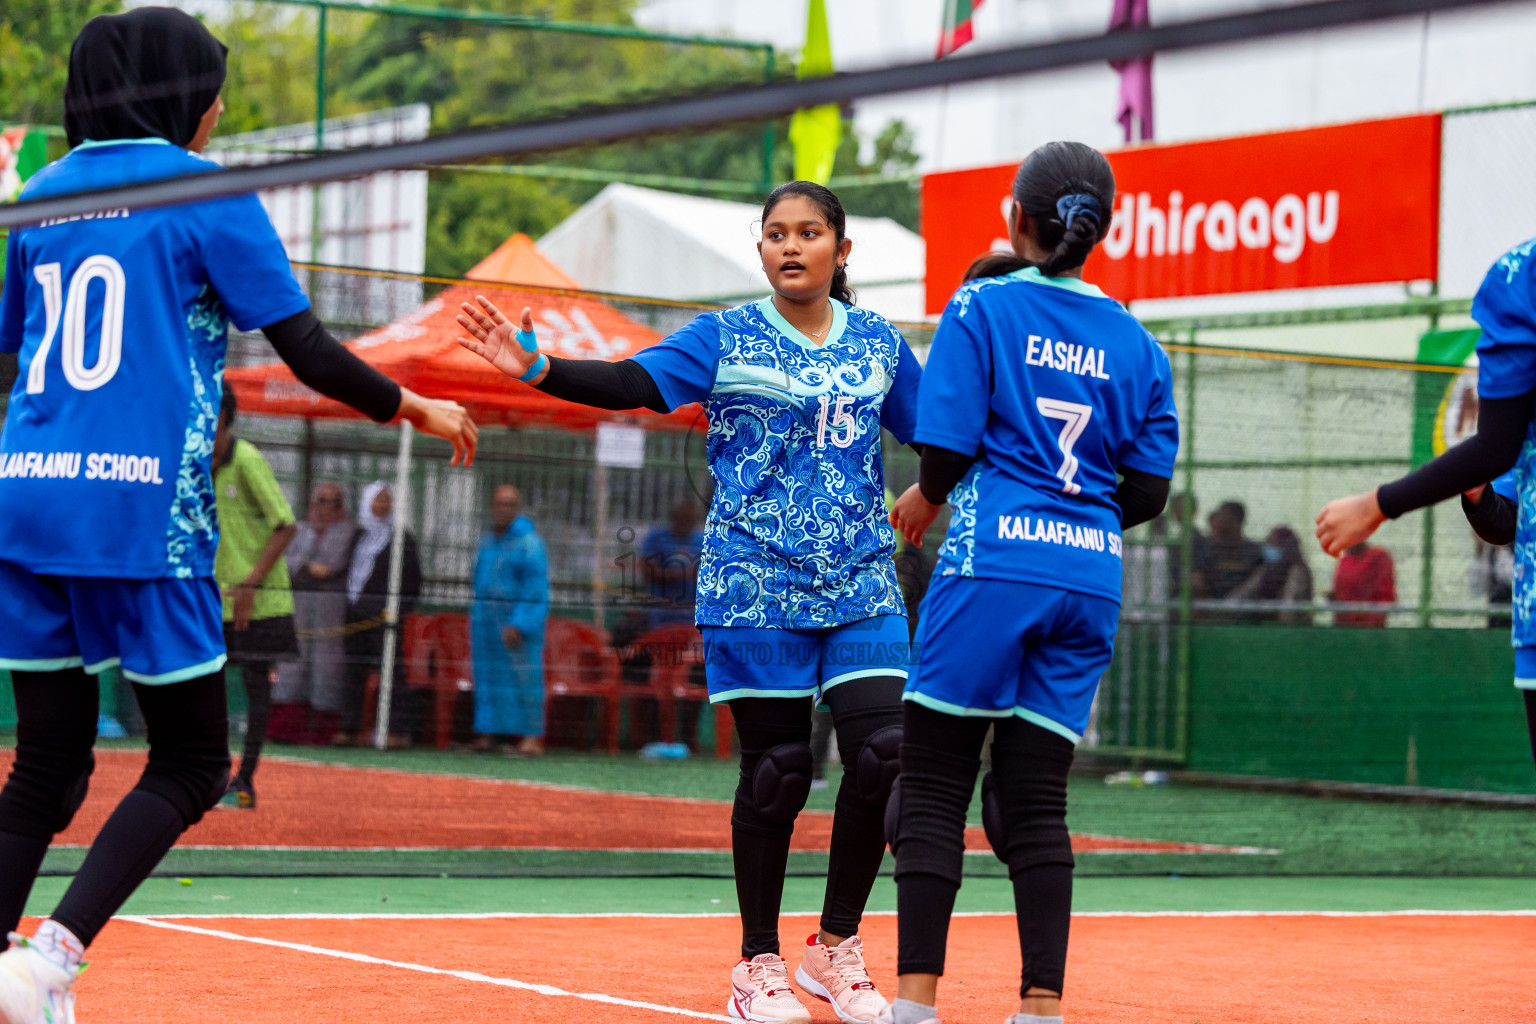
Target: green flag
column 1444, row 404
column 957, row 30
column 816, row 131
column 22, row 152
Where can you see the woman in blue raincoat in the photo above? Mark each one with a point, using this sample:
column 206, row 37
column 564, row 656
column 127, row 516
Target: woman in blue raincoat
column 507, row 628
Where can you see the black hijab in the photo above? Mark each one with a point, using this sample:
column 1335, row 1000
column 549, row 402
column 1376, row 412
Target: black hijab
column 152, row 72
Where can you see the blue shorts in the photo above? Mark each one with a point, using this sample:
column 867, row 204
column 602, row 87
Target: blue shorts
column 997, row 648
column 158, row 631
column 745, row 661
column 1525, row 668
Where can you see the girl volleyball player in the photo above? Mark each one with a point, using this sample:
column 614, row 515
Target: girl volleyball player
column 797, row 593
column 1046, row 419
column 1505, row 308
column 107, row 521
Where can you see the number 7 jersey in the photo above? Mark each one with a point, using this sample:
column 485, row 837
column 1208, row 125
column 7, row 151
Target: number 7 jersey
column 120, row 320
column 1054, row 387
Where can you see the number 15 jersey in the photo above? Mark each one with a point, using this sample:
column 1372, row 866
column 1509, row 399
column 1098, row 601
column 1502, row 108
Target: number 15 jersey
column 121, row 319
column 1054, row 386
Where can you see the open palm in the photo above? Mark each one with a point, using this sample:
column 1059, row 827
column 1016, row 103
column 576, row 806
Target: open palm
column 493, row 337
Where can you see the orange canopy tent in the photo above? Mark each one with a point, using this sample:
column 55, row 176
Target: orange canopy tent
column 419, row 351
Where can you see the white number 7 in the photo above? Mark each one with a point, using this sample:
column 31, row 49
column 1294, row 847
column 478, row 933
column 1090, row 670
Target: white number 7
column 1076, row 416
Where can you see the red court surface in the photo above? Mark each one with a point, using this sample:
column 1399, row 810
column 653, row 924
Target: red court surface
column 320, row 805
column 1398, row 969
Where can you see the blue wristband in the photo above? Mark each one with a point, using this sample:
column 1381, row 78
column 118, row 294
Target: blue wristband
column 537, row 368
column 528, row 340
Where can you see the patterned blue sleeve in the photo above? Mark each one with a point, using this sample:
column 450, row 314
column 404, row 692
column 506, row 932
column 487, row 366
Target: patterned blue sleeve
column 683, row 363
column 952, row 406
column 246, row 264
column 1157, row 445
column 1506, row 310
column 898, row 413
column 1505, row 486
column 13, row 310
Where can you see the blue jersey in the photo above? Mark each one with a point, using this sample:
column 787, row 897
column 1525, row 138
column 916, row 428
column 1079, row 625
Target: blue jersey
column 120, row 319
column 1505, row 307
column 1054, row 387
column 797, row 535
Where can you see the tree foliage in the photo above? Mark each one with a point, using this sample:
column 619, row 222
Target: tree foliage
column 35, row 36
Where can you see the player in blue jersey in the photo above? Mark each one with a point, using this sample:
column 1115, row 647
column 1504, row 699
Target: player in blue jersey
column 1047, row 422
column 1503, row 450
column 107, row 513
column 798, row 599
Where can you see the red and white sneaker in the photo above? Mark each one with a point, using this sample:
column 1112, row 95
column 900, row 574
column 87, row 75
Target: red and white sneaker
column 837, row 975
column 760, row 991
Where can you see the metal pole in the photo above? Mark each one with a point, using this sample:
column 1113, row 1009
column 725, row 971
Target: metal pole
column 1186, row 560
column 392, row 600
column 769, row 71
column 316, row 221
column 599, row 543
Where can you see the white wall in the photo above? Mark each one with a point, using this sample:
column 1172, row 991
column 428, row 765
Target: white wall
column 1465, row 58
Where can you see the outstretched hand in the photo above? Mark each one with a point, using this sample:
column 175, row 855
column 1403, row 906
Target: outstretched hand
column 493, row 337
column 913, row 515
column 1348, row 521
column 441, row 418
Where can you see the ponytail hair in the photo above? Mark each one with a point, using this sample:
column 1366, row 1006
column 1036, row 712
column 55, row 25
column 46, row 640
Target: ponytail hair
column 830, row 207
column 995, row 264
column 1068, row 189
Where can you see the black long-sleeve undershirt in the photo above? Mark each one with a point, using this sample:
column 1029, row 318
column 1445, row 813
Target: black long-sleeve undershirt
column 1140, row 496
column 1502, row 424
column 323, row 363
column 1495, row 519
column 603, row 385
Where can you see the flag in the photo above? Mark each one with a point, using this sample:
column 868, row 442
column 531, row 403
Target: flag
column 1444, row 404
column 816, row 131
column 956, row 31
column 1135, row 108
column 22, row 152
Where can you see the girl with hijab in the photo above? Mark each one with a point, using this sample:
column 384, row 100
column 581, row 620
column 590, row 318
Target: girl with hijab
column 126, row 577
column 309, row 689
column 1284, row 576
column 367, row 593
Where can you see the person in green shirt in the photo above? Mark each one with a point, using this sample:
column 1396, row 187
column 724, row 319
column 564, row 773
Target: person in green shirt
column 255, row 525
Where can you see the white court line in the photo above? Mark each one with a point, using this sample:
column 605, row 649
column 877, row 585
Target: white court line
column 363, row 958
column 514, row 915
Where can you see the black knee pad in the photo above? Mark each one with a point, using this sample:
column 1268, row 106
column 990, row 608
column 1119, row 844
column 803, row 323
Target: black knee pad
column 992, row 818
column 74, row 795
column 878, row 765
column 893, row 814
column 192, row 779
column 781, row 782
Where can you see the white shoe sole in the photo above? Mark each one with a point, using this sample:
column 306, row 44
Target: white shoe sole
column 731, row 1010
column 815, row 988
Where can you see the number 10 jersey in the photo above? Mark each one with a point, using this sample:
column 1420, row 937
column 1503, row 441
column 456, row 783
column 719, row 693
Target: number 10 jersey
column 1054, row 387
column 120, row 319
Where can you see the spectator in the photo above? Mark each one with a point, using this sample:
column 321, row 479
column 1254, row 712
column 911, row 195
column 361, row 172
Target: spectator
column 1181, row 513
column 1364, row 573
column 1284, row 576
column 367, row 594
column 320, row 553
column 255, row 526
column 669, row 556
column 507, row 628
column 1226, row 558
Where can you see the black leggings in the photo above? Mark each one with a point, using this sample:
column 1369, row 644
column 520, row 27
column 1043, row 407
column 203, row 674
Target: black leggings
column 860, row 707
column 257, row 677
column 187, row 772
column 940, row 757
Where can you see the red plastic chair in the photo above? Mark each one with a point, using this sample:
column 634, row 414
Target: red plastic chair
column 675, row 651
column 415, row 664
column 580, row 662
column 451, row 671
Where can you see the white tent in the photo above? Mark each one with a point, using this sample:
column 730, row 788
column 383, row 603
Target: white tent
column 640, row 241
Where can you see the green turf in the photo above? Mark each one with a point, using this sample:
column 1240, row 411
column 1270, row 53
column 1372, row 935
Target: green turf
column 692, row 895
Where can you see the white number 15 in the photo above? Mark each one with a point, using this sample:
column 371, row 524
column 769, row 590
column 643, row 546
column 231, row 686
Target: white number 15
column 1076, row 417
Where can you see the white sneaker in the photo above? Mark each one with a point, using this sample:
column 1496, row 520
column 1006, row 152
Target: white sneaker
column 33, row 988
column 837, row 975
column 760, row 991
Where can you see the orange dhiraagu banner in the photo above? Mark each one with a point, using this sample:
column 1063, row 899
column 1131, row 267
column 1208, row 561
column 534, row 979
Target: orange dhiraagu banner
column 1348, row 204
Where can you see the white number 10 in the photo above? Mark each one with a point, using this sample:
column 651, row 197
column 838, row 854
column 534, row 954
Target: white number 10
column 71, row 310
column 1076, row 417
